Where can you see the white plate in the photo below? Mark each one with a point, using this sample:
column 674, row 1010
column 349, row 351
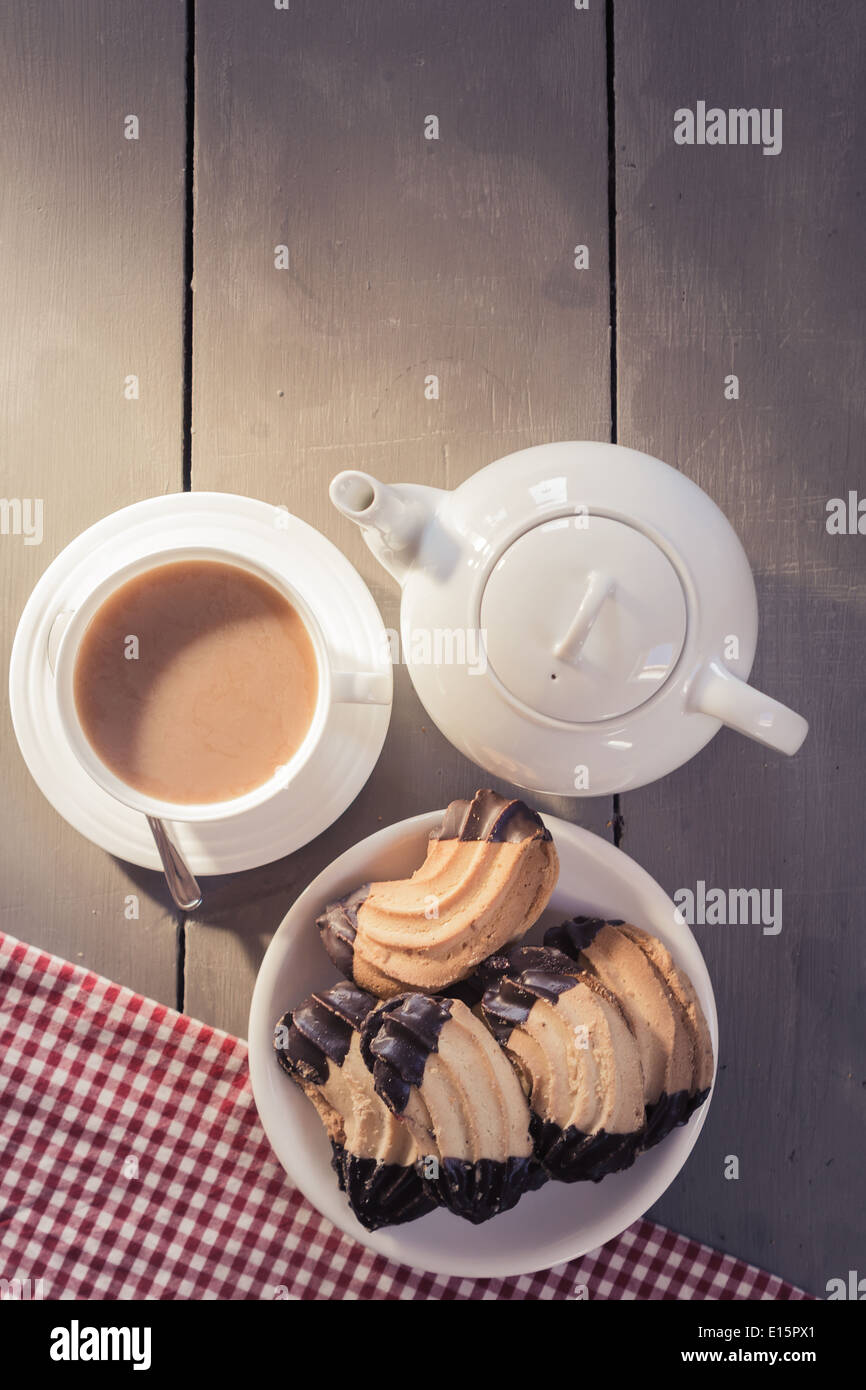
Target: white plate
column 349, row 620
column 548, row 1227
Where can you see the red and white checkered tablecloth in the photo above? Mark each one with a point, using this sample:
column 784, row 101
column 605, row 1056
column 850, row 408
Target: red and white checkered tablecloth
column 133, row 1165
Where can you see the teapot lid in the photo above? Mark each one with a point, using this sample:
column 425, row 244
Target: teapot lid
column 584, row 618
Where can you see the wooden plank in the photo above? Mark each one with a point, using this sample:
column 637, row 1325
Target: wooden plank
column 408, row 257
column 729, row 261
column 92, row 291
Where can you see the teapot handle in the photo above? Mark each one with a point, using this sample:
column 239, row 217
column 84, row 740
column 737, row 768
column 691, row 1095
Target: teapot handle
column 717, row 692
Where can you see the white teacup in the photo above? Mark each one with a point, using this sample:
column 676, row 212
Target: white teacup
column 334, row 687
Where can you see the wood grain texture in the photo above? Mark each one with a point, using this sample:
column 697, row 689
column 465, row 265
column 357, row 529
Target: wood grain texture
column 408, row 257
column 91, row 283
column 730, row 261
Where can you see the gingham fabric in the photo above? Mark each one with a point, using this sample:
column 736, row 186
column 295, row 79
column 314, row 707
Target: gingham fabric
column 133, row 1165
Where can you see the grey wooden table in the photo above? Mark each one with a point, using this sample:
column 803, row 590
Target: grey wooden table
column 306, row 126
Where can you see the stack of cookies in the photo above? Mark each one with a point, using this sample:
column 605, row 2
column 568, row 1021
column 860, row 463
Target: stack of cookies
column 456, row 1068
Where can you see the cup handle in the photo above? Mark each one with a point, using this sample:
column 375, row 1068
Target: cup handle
column 361, row 687
column 717, row 692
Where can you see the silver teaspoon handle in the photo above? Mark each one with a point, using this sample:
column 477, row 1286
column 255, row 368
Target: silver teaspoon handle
column 181, row 883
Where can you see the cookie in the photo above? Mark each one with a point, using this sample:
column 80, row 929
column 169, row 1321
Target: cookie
column 662, row 1009
column 436, row 1066
column 374, row 1154
column 488, row 875
column 569, row 1041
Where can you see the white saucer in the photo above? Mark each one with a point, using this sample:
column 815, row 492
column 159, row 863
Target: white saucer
column 351, row 625
column 562, row 1220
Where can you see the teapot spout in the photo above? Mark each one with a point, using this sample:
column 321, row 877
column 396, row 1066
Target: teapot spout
column 392, row 518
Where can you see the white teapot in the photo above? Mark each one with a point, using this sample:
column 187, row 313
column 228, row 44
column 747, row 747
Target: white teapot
column 577, row 618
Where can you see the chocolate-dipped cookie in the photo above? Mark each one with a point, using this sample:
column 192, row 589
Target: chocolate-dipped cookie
column 374, row 1154
column 435, row 1065
column 578, row 1060
column 488, row 875
column 662, row 1008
